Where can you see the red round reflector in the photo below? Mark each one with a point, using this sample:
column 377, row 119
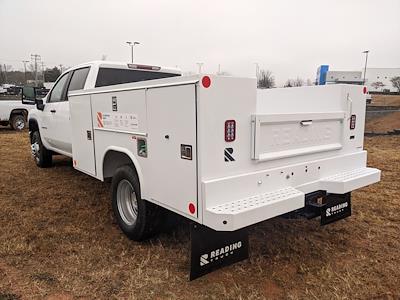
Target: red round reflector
column 192, row 208
column 365, row 90
column 206, row 81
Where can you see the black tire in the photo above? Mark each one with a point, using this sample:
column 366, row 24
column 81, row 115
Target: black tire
column 18, row 122
column 149, row 216
column 41, row 155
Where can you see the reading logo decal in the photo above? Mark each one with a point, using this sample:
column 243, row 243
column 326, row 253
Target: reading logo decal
column 336, row 209
column 219, row 253
column 228, row 154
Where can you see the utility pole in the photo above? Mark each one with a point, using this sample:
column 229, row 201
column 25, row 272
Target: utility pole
column 43, row 70
column 36, row 58
column 25, row 62
column 365, row 66
column 5, row 73
column 200, row 65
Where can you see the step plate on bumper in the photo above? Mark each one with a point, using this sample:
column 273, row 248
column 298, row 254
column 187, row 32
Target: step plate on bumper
column 348, row 181
column 244, row 212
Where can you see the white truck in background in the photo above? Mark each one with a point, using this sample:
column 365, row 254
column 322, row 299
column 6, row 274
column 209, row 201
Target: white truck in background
column 213, row 149
column 14, row 113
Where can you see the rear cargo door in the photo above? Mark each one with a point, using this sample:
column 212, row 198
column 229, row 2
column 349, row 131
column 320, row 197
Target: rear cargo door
column 277, row 136
column 172, row 169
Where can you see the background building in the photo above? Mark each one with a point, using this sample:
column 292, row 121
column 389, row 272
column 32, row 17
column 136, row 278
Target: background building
column 349, row 77
column 378, row 79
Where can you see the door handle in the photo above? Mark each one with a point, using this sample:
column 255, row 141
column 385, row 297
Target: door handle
column 306, row 122
column 53, row 111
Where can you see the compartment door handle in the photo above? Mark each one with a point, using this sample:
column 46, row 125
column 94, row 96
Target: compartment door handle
column 306, row 122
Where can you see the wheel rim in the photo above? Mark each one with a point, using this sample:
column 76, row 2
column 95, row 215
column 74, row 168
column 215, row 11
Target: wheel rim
column 35, row 149
column 19, row 124
column 127, row 202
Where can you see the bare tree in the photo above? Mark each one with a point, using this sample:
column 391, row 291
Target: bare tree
column 265, row 80
column 396, row 82
column 294, row 82
column 298, row 82
column 309, row 82
column 377, row 85
column 289, row 83
column 2, row 77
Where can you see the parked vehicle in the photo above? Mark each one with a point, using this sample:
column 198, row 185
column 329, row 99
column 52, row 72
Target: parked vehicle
column 14, row 90
column 14, row 113
column 213, row 149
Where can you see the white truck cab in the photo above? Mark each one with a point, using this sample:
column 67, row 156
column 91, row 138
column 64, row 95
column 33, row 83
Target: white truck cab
column 53, row 118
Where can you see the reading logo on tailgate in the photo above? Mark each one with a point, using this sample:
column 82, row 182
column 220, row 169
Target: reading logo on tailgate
column 118, row 121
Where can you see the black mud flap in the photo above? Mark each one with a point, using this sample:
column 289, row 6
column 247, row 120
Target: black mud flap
column 211, row 250
column 336, row 207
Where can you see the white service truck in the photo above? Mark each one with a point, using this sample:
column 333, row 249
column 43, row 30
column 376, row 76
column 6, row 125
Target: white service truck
column 14, row 113
column 216, row 150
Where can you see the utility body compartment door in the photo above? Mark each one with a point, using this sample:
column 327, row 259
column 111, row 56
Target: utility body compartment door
column 171, row 173
column 82, row 134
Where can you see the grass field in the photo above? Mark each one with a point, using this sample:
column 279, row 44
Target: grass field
column 59, row 240
column 386, row 100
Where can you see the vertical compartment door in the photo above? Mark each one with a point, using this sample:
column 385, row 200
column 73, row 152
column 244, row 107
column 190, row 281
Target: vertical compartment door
column 172, row 177
column 82, row 134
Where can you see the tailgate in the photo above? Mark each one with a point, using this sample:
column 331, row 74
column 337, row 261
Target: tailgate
column 276, row 136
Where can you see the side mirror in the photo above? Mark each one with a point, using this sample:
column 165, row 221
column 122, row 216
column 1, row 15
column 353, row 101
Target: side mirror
column 28, row 95
column 39, row 104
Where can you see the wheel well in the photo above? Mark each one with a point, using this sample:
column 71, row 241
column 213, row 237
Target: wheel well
column 113, row 160
column 33, row 125
column 22, row 112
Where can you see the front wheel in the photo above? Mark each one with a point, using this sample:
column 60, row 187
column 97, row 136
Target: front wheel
column 40, row 154
column 137, row 218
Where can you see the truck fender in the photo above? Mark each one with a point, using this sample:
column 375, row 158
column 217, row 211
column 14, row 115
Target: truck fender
column 130, row 155
column 19, row 111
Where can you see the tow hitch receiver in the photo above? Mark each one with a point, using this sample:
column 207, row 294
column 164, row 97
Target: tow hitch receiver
column 211, row 250
column 331, row 207
column 337, row 206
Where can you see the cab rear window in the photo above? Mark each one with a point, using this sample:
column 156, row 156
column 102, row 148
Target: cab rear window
column 111, row 76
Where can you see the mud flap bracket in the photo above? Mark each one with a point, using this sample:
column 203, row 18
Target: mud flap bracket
column 211, row 250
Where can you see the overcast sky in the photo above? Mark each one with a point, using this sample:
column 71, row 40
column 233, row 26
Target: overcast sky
column 290, row 38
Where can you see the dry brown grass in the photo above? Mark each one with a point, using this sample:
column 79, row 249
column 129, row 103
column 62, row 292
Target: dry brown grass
column 59, row 240
column 384, row 123
column 386, row 100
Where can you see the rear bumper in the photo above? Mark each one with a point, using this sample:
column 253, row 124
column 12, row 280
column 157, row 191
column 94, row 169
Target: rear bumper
column 235, row 202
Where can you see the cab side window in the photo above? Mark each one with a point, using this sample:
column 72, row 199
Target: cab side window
column 57, row 94
column 78, row 79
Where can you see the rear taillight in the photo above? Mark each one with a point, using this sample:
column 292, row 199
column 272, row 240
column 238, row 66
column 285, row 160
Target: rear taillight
column 365, row 90
column 353, row 121
column 230, row 130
